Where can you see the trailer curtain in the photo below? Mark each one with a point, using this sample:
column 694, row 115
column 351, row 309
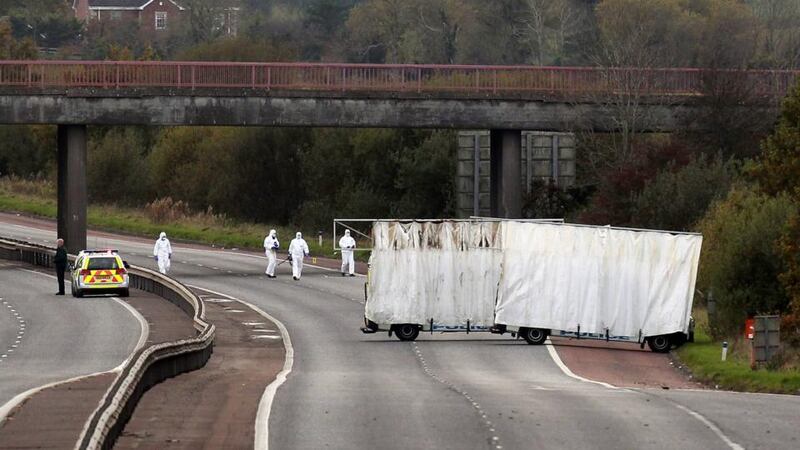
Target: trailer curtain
column 598, row 278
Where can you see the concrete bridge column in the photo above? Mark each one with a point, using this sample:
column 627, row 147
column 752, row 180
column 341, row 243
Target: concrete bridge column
column 506, row 173
column 72, row 192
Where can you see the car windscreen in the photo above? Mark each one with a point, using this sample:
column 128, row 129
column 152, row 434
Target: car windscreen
column 102, row 263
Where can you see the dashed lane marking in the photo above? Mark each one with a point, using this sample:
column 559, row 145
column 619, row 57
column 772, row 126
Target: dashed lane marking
column 265, row 405
column 495, row 440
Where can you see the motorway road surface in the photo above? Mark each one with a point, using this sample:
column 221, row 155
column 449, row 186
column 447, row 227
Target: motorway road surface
column 349, row 390
column 46, row 338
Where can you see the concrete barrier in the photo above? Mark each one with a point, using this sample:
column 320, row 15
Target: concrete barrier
column 148, row 366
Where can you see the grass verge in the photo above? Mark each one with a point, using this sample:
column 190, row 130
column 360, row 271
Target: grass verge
column 135, row 222
column 703, row 358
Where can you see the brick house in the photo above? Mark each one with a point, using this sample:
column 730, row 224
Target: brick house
column 151, row 15
column 154, row 15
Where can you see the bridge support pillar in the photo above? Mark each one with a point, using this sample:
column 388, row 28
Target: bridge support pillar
column 506, row 173
column 72, row 192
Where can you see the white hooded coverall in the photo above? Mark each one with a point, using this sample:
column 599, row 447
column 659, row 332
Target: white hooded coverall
column 271, row 244
column 347, row 244
column 298, row 249
column 162, row 251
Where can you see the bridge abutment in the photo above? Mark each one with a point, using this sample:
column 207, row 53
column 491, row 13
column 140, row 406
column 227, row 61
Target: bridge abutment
column 506, row 171
column 72, row 190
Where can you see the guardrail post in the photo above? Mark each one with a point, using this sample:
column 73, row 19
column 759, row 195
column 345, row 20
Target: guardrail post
column 179, row 67
column 193, row 82
column 344, row 78
column 477, row 80
column 269, row 77
column 253, row 76
column 116, row 81
column 29, row 75
column 419, row 79
column 494, row 82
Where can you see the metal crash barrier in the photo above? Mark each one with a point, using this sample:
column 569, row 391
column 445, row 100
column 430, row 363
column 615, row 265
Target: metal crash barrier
column 149, row 365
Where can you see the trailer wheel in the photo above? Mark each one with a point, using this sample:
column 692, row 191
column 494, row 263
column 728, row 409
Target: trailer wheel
column 406, row 331
column 534, row 336
column 659, row 344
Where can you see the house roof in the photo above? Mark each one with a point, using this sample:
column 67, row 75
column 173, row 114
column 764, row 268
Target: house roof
column 123, row 4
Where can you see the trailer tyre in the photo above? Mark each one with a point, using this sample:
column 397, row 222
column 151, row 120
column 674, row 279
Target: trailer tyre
column 533, row 336
column 659, row 344
column 406, row 331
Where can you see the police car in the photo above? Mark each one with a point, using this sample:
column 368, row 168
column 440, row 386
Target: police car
column 99, row 272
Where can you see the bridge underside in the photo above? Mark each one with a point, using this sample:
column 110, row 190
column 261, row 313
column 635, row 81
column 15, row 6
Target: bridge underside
column 72, row 111
column 137, row 108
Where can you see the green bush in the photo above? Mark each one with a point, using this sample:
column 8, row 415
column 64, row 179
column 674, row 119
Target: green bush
column 740, row 261
column 677, row 199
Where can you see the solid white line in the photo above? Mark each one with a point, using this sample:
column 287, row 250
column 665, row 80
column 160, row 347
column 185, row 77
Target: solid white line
column 143, row 335
column 265, row 405
column 567, row 371
column 20, row 398
column 710, row 425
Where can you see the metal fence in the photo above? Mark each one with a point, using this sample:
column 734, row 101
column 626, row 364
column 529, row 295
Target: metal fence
column 429, row 79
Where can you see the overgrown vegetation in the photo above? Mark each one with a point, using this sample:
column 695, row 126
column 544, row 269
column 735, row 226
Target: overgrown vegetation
column 704, row 360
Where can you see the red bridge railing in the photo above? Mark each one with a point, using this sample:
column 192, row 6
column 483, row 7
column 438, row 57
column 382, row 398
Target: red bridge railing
column 429, row 79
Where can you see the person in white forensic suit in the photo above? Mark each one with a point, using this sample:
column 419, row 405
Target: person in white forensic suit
column 347, row 244
column 162, row 252
column 271, row 246
column 298, row 249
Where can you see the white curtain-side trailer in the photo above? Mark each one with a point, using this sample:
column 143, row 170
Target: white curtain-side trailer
column 532, row 279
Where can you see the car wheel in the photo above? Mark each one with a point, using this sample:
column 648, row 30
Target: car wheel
column 659, row 344
column 534, row 336
column 125, row 293
column 78, row 293
column 406, row 331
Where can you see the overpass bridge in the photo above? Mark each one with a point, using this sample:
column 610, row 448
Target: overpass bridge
column 503, row 99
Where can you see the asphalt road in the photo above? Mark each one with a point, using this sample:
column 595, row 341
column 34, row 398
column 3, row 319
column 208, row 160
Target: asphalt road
column 46, row 338
column 349, row 390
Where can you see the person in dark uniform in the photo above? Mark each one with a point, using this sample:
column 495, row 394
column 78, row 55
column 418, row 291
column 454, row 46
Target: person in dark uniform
column 60, row 261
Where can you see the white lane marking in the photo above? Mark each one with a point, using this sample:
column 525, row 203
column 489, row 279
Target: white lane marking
column 557, row 359
column 145, row 328
column 263, row 336
column 449, row 385
column 265, row 405
column 145, row 331
column 143, row 335
column 710, row 425
column 20, row 398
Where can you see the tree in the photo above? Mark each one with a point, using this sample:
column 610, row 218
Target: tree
column 118, row 153
column 636, row 34
column 778, row 35
column 678, row 197
column 550, row 28
column 778, row 174
column 11, row 48
column 740, row 262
